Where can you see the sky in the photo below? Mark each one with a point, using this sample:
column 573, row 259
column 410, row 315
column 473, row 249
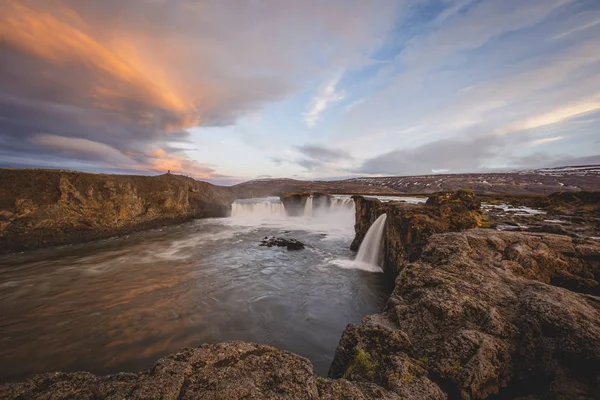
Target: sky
column 234, row 90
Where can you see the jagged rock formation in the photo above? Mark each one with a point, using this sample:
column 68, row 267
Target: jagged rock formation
column 474, row 314
column 482, row 313
column 409, row 226
column 49, row 207
column 231, row 370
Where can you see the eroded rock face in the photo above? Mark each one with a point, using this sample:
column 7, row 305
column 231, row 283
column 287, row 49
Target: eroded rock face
column 294, row 203
column 409, row 226
column 43, row 207
column 483, row 313
column 230, row 370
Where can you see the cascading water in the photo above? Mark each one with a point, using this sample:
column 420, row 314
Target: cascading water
column 260, row 208
column 308, row 207
column 370, row 248
column 343, row 203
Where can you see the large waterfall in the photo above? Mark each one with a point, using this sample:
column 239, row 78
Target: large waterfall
column 259, row 208
column 370, row 248
column 273, row 208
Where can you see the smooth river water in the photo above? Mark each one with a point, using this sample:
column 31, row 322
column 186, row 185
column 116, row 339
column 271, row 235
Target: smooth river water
column 120, row 304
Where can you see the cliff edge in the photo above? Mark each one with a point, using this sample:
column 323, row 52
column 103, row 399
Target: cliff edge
column 41, row 208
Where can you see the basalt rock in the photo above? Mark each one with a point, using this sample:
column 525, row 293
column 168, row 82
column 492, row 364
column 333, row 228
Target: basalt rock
column 484, row 313
column 226, row 371
column 294, row 203
column 291, row 244
column 50, row 207
column 409, row 226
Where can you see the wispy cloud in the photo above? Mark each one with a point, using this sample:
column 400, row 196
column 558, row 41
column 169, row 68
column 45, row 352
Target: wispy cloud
column 576, row 29
column 546, row 140
column 327, row 94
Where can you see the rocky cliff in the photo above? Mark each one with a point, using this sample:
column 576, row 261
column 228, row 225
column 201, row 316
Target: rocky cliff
column 483, row 314
column 409, row 226
column 232, row 370
column 49, row 207
column 474, row 314
column 477, row 314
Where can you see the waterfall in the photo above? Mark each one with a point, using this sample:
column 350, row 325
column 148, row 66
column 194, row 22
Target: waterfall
column 342, row 203
column 308, row 207
column 260, row 208
column 370, row 248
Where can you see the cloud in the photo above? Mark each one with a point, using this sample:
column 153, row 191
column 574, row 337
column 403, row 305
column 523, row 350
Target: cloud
column 577, row 29
column 135, row 76
column 545, row 160
column 328, row 94
column 80, row 148
column 454, row 154
column 314, row 156
column 546, row 140
column 321, row 153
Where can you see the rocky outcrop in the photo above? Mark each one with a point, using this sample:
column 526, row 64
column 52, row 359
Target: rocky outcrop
column 294, row 203
column 231, row 370
column 409, row 226
column 483, row 313
column 291, row 244
column 50, row 207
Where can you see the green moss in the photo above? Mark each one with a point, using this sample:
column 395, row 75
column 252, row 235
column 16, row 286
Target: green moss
column 408, row 378
column 363, row 364
column 423, row 362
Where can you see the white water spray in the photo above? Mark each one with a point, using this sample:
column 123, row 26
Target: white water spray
column 370, row 248
column 308, row 207
column 262, row 208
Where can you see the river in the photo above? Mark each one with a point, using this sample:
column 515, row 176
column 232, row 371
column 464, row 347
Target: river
column 120, row 304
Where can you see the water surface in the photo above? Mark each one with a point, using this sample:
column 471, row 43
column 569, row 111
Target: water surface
column 120, row 304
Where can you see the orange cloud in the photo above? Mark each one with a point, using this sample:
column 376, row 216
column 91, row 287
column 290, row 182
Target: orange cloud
column 43, row 35
column 161, row 161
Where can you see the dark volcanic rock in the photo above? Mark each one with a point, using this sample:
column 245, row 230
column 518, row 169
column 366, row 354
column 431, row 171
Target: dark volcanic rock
column 230, row 370
column 291, row 244
column 294, row 203
column 482, row 313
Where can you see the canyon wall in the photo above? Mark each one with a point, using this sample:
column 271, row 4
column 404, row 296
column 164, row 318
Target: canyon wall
column 476, row 313
column 409, row 226
column 50, row 207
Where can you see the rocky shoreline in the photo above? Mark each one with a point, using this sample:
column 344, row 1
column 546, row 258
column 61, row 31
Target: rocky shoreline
column 474, row 314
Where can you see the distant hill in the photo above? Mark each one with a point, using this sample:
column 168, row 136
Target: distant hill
column 538, row 181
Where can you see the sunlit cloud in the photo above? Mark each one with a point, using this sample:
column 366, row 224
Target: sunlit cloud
column 546, row 140
column 327, row 94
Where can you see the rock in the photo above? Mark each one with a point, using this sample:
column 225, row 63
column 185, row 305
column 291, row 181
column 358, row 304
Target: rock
column 464, row 197
column 294, row 203
column 409, row 226
column 485, row 313
column 230, row 370
column 556, row 229
column 291, row 244
column 51, row 207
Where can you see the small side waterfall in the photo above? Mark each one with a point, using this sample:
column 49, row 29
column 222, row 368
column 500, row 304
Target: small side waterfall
column 370, row 248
